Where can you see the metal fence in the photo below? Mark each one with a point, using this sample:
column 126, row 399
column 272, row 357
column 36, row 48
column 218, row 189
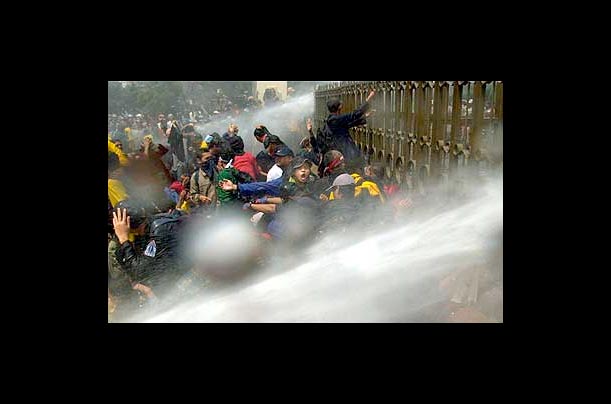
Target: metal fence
column 425, row 132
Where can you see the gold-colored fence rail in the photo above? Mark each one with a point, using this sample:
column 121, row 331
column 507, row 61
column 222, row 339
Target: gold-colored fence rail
column 425, row 132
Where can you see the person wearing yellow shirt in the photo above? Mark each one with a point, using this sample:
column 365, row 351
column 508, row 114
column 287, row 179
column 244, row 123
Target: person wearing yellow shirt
column 123, row 160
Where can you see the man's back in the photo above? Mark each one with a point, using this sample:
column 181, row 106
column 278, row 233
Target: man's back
column 339, row 125
column 246, row 163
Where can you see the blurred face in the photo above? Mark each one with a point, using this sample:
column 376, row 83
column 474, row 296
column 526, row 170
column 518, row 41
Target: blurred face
column 337, row 192
column 342, row 163
column 205, row 157
column 284, row 161
column 161, row 118
column 302, row 173
column 119, row 145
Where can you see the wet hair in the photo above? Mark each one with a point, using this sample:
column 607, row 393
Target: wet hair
column 262, row 131
column 237, row 144
column 217, row 140
column 227, row 155
column 333, row 105
column 136, row 213
column 378, row 170
column 328, row 159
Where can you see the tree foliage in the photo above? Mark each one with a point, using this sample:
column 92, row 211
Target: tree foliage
column 152, row 97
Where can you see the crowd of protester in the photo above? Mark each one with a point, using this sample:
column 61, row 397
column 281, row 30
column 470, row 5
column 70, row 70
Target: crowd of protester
column 165, row 178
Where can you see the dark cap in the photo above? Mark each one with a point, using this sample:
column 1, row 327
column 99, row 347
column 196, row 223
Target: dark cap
column 299, row 161
column 271, row 139
column 284, row 151
column 333, row 105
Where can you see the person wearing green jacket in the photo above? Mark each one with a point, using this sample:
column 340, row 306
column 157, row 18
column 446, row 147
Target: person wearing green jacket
column 228, row 172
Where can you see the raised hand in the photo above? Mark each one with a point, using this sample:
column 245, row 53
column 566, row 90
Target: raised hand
column 371, row 95
column 120, row 221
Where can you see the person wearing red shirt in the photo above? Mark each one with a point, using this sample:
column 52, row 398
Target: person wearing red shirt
column 243, row 161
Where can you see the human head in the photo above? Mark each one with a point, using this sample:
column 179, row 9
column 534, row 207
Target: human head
column 188, row 129
column 375, row 170
column 334, row 106
column 305, row 143
column 233, row 129
column 203, row 157
column 343, row 187
column 301, row 169
column 221, row 163
column 214, row 145
column 284, row 156
column 333, row 161
column 237, row 144
column 261, row 132
column 136, row 213
column 271, row 143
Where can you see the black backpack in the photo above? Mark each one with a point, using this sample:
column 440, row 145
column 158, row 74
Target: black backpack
column 165, row 226
column 325, row 139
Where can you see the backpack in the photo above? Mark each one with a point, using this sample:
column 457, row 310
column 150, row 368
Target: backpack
column 166, row 236
column 325, row 139
column 166, row 225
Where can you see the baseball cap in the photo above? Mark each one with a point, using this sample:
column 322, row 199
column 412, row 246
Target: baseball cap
column 299, row 161
column 341, row 180
column 284, row 151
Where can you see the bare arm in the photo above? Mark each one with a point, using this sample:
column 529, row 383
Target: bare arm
column 267, row 208
column 274, row 200
column 371, row 95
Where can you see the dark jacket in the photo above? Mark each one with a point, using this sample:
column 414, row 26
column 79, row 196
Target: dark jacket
column 296, row 220
column 165, row 263
column 339, row 125
column 339, row 215
column 256, row 189
column 176, row 144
